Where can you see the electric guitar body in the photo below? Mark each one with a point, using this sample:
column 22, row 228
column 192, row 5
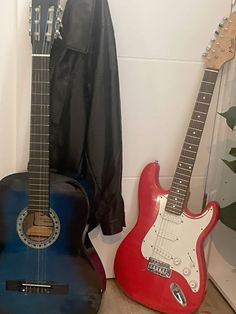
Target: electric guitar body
column 44, row 265
column 161, row 262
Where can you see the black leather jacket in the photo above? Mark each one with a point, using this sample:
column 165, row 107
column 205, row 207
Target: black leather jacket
column 86, row 140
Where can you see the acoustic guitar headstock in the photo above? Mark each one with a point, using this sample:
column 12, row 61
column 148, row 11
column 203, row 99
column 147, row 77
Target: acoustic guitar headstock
column 45, row 23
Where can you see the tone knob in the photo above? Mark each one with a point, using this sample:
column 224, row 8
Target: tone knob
column 177, row 261
column 193, row 284
column 186, row 271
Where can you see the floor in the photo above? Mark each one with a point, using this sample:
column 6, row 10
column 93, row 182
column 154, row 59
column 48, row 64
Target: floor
column 115, row 302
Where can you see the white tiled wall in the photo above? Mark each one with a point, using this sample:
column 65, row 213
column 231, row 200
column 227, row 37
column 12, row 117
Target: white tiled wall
column 159, row 46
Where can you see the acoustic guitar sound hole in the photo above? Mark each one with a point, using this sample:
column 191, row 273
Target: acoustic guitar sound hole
column 38, row 229
column 38, row 226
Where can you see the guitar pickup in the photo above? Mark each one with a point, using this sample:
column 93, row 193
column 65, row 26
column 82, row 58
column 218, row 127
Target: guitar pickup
column 27, row 287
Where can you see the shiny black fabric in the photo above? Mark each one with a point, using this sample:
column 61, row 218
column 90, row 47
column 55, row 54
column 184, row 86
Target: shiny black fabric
column 85, row 140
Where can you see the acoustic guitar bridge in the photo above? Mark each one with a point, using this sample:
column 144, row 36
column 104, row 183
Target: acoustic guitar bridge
column 27, row 287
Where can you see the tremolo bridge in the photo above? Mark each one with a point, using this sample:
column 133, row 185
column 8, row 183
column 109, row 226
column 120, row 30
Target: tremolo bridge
column 159, row 268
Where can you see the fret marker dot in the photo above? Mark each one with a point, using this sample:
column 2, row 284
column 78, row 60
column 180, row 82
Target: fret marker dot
column 190, row 147
column 204, row 97
column 180, row 181
column 176, row 199
column 180, row 165
column 199, row 116
column 173, row 205
column 194, row 132
column 178, row 191
column 190, row 167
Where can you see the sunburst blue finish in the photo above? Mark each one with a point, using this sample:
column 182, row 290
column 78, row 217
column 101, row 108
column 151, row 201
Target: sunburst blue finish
column 64, row 262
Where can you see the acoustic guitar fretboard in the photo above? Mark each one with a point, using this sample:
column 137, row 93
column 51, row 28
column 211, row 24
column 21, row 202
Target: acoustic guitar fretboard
column 39, row 135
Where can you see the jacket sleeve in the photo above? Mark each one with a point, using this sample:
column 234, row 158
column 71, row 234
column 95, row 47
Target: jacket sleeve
column 104, row 134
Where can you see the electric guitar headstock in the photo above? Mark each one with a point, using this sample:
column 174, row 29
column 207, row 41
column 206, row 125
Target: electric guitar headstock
column 222, row 48
column 45, row 23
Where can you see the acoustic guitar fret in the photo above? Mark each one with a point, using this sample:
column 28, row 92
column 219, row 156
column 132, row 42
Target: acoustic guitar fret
column 40, row 151
column 36, row 208
column 38, row 201
column 41, row 115
column 39, row 134
column 41, row 166
column 40, row 82
column 38, row 104
column 38, row 181
column 35, row 184
column 41, row 94
column 33, row 197
column 39, row 190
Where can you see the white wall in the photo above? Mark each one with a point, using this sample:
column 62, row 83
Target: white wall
column 159, row 46
column 7, row 87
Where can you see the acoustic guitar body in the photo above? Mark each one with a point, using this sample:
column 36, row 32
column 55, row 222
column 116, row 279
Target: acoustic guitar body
column 44, row 266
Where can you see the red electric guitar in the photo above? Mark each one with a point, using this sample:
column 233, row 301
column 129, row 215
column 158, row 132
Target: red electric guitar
column 161, row 262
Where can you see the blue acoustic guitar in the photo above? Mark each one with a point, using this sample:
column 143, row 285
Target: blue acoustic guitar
column 44, row 264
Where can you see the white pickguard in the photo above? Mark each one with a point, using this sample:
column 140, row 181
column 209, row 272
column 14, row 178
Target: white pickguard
column 172, row 239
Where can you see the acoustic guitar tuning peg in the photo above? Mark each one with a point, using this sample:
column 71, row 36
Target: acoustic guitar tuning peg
column 58, row 34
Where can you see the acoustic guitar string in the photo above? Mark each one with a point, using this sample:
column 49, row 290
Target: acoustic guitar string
column 45, row 127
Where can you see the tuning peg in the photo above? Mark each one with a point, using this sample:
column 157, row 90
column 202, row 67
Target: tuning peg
column 204, row 55
column 208, row 47
column 59, row 23
column 59, row 12
column 58, row 34
column 60, row 9
column 221, row 24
